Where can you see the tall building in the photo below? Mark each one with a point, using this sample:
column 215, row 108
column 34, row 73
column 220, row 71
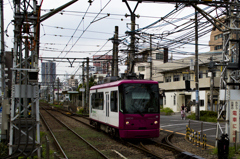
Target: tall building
column 216, row 40
column 102, row 63
column 48, row 73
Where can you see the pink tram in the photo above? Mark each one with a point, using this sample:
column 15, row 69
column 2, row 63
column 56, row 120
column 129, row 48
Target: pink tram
column 126, row 108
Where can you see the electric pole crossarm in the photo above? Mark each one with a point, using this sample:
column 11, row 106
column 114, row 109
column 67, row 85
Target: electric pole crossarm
column 206, row 16
column 48, row 15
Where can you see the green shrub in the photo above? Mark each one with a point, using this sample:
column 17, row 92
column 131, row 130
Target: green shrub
column 80, row 111
column 161, row 106
column 3, row 150
column 208, row 113
column 168, row 111
column 208, row 116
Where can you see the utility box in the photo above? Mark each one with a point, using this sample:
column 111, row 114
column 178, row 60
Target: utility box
column 5, row 118
column 223, row 147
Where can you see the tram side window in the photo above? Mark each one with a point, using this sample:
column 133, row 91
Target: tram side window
column 114, row 99
column 97, row 101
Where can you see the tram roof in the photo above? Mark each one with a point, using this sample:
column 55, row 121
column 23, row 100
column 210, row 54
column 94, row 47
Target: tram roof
column 117, row 83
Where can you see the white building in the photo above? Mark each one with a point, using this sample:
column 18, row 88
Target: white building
column 142, row 63
column 175, row 74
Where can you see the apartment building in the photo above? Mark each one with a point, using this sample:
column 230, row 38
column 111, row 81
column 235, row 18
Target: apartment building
column 175, row 74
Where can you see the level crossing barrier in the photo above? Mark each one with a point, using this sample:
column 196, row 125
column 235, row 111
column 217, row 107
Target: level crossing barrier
column 197, row 138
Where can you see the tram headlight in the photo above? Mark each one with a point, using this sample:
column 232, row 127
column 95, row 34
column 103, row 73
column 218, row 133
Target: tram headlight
column 155, row 122
column 127, row 122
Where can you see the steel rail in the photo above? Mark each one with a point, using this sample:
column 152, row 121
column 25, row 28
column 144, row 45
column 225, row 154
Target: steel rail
column 168, row 146
column 55, row 139
column 78, row 135
column 181, row 153
column 75, row 118
column 145, row 150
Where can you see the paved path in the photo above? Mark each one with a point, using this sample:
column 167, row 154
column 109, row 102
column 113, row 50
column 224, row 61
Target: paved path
column 174, row 123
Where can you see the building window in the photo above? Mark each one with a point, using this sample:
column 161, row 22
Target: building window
column 164, row 100
column 201, row 104
column 168, row 79
column 174, row 100
column 141, row 68
column 214, row 74
column 218, row 36
column 114, row 99
column 176, row 77
column 200, row 74
column 186, row 77
column 218, row 47
column 159, row 56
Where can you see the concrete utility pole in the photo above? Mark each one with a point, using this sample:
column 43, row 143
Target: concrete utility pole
column 83, row 99
column 115, row 53
column 196, row 67
column 87, row 86
column 131, row 54
column 151, row 56
column 2, row 55
column 211, row 83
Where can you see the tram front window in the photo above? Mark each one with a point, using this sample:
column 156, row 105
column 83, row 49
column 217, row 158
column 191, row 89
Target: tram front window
column 140, row 98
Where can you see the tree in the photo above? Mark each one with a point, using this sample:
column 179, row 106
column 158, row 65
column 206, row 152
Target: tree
column 91, row 83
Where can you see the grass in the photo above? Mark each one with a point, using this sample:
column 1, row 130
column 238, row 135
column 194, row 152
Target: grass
column 231, row 152
column 168, row 111
column 56, row 105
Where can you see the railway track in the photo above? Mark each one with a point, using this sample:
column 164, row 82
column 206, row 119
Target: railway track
column 76, row 134
column 165, row 144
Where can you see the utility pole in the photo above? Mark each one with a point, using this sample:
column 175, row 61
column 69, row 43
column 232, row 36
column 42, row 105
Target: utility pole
column 131, row 54
column 151, row 56
column 2, row 55
column 211, row 66
column 87, row 86
column 196, row 67
column 53, row 92
column 47, row 93
column 115, row 53
column 83, row 100
column 24, row 135
column 24, row 123
column 58, row 90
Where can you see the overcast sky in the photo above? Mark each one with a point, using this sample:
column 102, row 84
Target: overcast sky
column 57, row 31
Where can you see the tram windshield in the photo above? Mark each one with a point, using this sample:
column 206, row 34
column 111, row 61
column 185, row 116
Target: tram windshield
column 140, row 98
